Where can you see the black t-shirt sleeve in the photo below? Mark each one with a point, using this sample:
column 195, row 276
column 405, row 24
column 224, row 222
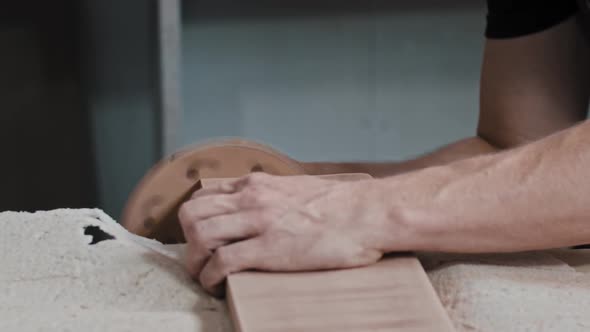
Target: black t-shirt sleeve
column 515, row 18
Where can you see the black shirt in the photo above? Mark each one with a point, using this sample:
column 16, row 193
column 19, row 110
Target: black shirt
column 515, row 18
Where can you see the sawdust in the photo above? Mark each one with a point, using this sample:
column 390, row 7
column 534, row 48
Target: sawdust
column 59, row 272
column 512, row 292
column 78, row 270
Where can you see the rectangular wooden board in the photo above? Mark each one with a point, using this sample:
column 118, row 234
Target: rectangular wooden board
column 391, row 295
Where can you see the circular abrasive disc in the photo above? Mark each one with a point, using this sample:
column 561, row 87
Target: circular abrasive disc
column 152, row 208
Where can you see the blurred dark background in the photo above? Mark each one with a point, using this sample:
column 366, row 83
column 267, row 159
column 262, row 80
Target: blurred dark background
column 92, row 93
column 47, row 157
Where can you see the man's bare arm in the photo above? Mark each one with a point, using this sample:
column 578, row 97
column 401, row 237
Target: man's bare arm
column 466, row 148
column 536, row 196
column 530, row 87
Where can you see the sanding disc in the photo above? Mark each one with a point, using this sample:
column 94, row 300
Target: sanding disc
column 152, row 208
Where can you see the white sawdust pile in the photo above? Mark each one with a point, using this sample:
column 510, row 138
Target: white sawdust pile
column 53, row 279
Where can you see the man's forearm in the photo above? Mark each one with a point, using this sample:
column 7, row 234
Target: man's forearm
column 533, row 197
column 466, row 148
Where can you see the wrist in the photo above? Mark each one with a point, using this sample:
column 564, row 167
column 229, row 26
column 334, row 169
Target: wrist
column 404, row 219
column 387, row 227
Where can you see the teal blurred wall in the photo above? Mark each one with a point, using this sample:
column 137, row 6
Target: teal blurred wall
column 119, row 59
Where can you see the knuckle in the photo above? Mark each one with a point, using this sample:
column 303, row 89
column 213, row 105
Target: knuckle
column 200, row 235
column 185, row 212
column 191, row 268
column 191, row 264
column 257, row 177
column 207, row 281
column 256, row 191
column 194, row 230
column 223, row 259
column 185, row 216
column 251, row 196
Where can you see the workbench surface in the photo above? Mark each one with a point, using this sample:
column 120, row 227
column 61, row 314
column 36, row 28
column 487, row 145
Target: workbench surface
column 53, row 279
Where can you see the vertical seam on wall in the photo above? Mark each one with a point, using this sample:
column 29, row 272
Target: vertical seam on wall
column 372, row 79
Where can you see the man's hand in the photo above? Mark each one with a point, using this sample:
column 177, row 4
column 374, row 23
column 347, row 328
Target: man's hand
column 274, row 223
